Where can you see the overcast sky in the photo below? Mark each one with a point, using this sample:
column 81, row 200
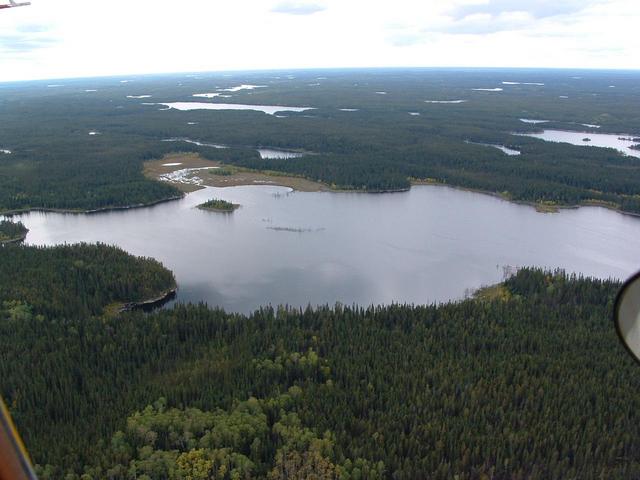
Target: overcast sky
column 71, row 38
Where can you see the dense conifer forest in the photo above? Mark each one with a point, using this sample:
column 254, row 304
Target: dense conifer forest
column 12, row 231
column 81, row 146
column 75, row 280
column 525, row 381
column 218, row 205
column 530, row 383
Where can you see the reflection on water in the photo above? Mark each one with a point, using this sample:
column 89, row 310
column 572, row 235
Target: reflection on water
column 426, row 245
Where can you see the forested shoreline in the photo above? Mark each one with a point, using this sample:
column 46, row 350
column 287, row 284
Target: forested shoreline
column 12, row 232
column 527, row 380
column 55, row 164
column 530, row 383
column 76, row 280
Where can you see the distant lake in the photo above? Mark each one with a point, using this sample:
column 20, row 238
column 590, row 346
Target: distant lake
column 429, row 244
column 267, row 153
column 508, row 151
column 268, row 109
column 620, row 142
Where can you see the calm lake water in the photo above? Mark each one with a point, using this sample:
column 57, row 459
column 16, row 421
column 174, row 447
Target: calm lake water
column 620, row 142
column 426, row 245
column 268, row 109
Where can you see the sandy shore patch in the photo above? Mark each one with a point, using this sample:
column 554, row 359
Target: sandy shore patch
column 189, row 172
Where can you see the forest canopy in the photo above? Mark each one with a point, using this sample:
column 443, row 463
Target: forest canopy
column 531, row 383
column 76, row 280
column 218, row 205
column 374, row 146
column 12, row 231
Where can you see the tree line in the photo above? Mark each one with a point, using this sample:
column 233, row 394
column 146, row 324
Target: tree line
column 76, row 280
column 56, row 164
column 11, row 231
column 530, row 384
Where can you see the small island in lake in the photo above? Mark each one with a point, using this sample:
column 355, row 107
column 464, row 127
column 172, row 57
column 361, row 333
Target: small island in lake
column 218, row 205
column 586, row 139
column 12, row 232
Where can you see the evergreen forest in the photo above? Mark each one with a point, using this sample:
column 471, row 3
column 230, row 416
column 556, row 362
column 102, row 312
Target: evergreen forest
column 12, row 231
column 81, row 147
column 529, row 383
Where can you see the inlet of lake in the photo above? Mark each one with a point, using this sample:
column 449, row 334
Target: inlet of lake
column 429, row 244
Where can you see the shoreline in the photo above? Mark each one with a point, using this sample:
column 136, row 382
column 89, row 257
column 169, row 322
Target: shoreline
column 540, row 207
column 151, row 303
column 290, row 181
column 296, row 183
column 219, row 210
column 159, row 169
column 18, row 239
column 12, row 213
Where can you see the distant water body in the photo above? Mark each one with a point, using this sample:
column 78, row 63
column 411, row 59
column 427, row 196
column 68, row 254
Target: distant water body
column 620, row 142
column 430, row 244
column 268, row 109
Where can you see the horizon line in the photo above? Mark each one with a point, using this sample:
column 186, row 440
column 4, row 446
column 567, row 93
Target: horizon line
column 311, row 69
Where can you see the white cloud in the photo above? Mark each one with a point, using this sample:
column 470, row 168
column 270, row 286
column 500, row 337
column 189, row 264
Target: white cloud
column 107, row 37
column 298, row 8
column 535, row 9
column 484, row 23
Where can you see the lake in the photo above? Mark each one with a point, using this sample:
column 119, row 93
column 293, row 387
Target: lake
column 429, row 244
column 620, row 142
column 266, row 153
column 502, row 148
column 268, row 109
